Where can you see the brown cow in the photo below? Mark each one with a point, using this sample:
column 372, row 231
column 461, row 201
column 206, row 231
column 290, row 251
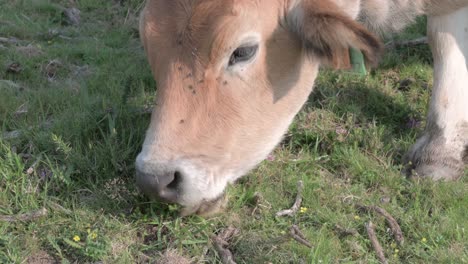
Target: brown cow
column 232, row 74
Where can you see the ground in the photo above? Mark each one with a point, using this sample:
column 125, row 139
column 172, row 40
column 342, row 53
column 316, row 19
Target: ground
column 74, row 103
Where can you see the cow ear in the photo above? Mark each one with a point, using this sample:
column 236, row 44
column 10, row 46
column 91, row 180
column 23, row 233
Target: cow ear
column 329, row 33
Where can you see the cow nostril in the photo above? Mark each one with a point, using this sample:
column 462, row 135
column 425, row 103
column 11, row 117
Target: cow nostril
column 175, row 183
column 165, row 186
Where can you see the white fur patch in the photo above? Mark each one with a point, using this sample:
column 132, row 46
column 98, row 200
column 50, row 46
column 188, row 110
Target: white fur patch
column 449, row 40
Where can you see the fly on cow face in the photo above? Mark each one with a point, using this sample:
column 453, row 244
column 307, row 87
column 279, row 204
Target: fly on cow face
column 238, row 71
column 237, row 75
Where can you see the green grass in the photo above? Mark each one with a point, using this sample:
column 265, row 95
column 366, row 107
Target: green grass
column 83, row 129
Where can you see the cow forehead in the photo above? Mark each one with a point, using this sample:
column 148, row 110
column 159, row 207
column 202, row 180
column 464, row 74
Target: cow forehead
column 190, row 19
column 186, row 16
column 203, row 30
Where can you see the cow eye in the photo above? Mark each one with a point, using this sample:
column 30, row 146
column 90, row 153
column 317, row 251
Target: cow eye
column 242, row 54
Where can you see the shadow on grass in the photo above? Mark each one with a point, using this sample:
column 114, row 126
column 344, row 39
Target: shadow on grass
column 346, row 109
column 366, row 103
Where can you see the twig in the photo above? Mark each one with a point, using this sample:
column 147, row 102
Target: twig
column 297, row 203
column 127, row 16
column 64, row 37
column 24, row 217
column 394, row 226
column 144, row 110
column 403, row 43
column 72, row 16
column 31, row 169
column 299, row 236
column 60, row 208
column 21, row 110
column 224, row 253
column 344, row 231
column 202, row 257
column 220, row 243
column 228, row 233
column 144, row 257
column 5, row 22
column 9, row 83
column 378, row 159
column 375, row 243
column 8, row 40
column 12, row 134
column 260, row 202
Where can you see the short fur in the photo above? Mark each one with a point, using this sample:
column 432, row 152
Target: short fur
column 213, row 121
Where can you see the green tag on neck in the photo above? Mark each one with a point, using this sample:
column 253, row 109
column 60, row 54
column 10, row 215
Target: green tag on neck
column 357, row 61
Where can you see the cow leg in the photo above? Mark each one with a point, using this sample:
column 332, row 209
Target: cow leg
column 442, row 151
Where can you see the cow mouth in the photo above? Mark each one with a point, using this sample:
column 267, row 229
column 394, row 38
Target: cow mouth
column 206, row 208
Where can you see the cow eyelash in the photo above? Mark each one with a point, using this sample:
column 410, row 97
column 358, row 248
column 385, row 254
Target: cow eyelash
column 242, row 54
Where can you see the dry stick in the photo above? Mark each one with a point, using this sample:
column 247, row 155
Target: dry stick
column 18, row 133
column 31, row 169
column 24, row 217
column 228, row 233
column 201, row 259
column 72, row 15
column 11, row 135
column 8, row 40
column 220, row 242
column 378, row 159
column 144, row 110
column 224, row 253
column 10, row 84
column 297, row 203
column 413, row 42
column 344, row 231
column 394, row 226
column 260, row 202
column 60, row 208
column 375, row 243
column 298, row 236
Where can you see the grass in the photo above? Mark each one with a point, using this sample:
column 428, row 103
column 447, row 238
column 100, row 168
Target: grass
column 76, row 104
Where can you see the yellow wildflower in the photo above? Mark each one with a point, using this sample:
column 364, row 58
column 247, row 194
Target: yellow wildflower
column 357, row 217
column 303, row 209
column 93, row 235
column 424, row 240
column 76, row 238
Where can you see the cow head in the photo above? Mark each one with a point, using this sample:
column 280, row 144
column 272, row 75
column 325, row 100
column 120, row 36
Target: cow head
column 231, row 75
